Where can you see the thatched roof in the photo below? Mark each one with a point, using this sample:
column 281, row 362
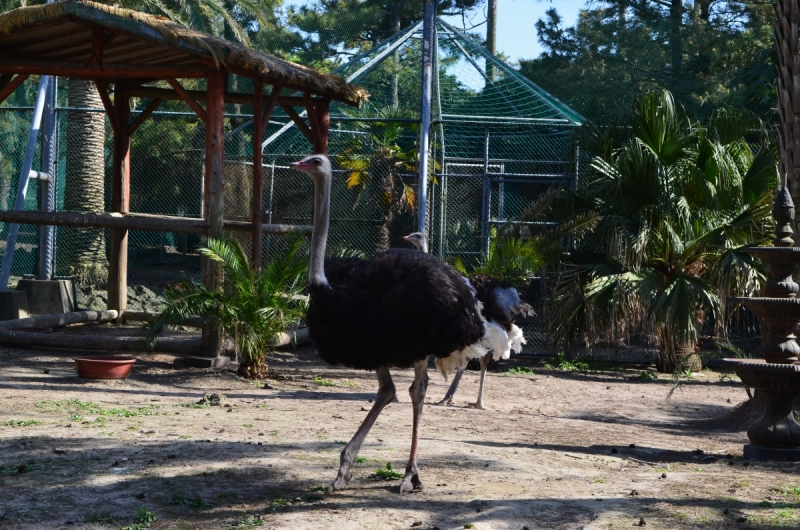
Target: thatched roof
column 63, row 33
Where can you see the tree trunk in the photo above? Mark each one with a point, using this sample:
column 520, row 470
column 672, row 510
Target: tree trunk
column 491, row 35
column 82, row 250
column 396, row 5
column 383, row 167
column 788, row 50
column 675, row 39
column 683, row 357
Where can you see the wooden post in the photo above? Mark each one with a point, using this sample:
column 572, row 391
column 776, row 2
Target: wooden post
column 324, row 120
column 120, row 203
column 313, row 122
column 258, row 172
column 214, row 198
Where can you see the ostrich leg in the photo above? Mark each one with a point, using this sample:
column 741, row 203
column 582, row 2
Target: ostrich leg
column 417, row 391
column 448, row 397
column 386, row 393
column 484, row 365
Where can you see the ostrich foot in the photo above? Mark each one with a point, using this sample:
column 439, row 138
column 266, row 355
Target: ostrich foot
column 411, row 482
column 340, row 482
column 446, row 401
column 478, row 405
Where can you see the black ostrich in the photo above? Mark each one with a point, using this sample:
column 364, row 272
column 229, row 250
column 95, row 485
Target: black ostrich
column 501, row 306
column 394, row 310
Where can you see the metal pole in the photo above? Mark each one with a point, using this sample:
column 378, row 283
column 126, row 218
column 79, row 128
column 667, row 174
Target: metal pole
column 24, row 179
column 47, row 190
column 428, row 51
column 487, row 195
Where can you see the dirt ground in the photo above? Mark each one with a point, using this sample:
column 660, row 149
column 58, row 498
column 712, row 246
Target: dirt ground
column 557, row 449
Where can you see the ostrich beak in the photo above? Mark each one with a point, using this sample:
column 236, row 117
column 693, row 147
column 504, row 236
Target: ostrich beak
column 301, row 166
column 407, row 238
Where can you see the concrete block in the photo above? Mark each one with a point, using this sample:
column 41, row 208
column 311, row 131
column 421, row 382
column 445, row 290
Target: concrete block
column 197, row 361
column 13, row 305
column 48, row 297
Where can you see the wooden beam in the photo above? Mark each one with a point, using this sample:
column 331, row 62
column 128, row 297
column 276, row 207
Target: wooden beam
column 97, row 46
column 200, row 111
column 258, row 174
column 120, row 203
column 140, row 221
column 109, row 106
column 214, row 192
column 274, row 99
column 11, row 86
column 313, row 123
column 140, row 119
column 299, row 122
column 12, row 64
column 324, row 119
column 199, row 95
column 5, row 79
column 175, row 345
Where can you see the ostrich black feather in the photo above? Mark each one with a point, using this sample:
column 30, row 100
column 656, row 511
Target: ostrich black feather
column 392, row 310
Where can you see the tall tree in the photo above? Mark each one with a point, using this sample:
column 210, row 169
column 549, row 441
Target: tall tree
column 788, row 51
column 707, row 53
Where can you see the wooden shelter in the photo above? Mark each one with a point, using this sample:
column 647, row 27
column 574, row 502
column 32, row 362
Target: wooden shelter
column 124, row 52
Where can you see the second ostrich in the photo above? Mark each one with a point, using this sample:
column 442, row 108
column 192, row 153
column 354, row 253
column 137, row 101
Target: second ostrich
column 394, row 310
column 501, row 306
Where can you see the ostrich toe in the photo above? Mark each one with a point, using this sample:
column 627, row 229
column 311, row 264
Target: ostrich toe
column 411, row 482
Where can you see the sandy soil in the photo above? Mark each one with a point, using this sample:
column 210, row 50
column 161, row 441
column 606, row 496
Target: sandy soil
column 557, row 450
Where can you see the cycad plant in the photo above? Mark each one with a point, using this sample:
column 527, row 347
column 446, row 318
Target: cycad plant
column 253, row 306
column 679, row 201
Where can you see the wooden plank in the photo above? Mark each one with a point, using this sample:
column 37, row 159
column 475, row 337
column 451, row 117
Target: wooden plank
column 200, row 111
column 273, row 229
column 174, row 345
column 313, row 123
column 11, row 86
column 199, row 95
column 54, row 42
column 39, row 33
column 299, row 122
column 258, row 174
column 140, row 119
column 97, row 46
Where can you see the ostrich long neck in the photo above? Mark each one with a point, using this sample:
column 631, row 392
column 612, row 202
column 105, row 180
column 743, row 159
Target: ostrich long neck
column 319, row 236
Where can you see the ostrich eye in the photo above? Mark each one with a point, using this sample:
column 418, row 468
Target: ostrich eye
column 317, row 161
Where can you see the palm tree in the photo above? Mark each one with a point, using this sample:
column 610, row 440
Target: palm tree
column 377, row 157
column 679, row 201
column 253, row 307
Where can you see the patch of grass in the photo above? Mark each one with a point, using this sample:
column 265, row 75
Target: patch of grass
column 387, row 473
column 560, row 362
column 361, row 459
column 519, row 370
column 247, row 522
column 22, row 423
column 788, row 490
column 648, row 376
column 319, row 488
column 150, row 410
column 469, row 525
column 21, row 468
column 278, row 502
column 76, row 417
column 248, row 425
column 339, row 442
column 273, row 433
column 193, row 502
column 144, row 520
column 192, row 405
column 598, row 480
column 323, row 382
column 49, row 405
column 184, row 436
column 101, row 518
column 109, row 433
column 741, row 484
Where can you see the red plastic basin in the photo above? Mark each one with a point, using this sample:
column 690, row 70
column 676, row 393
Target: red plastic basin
column 103, row 367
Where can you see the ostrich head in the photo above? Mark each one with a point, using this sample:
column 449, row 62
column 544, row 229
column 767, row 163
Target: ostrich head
column 418, row 240
column 318, row 167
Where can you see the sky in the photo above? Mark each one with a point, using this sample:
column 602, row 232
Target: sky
column 516, row 34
